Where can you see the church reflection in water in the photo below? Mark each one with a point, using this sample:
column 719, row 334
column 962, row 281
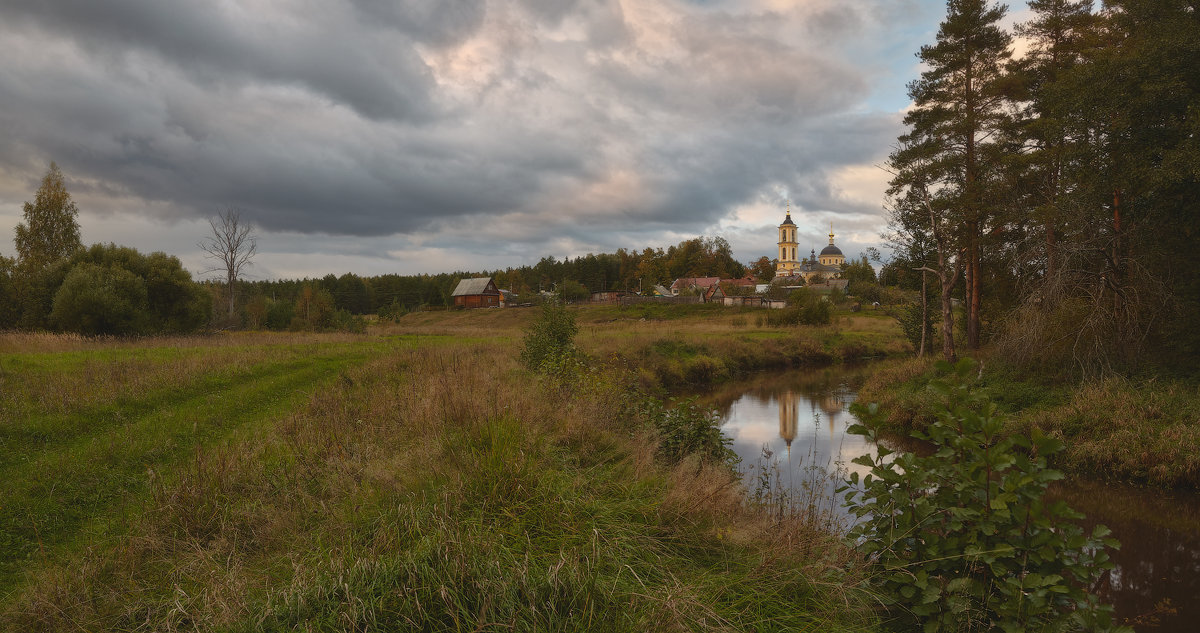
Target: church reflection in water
column 825, row 410
column 797, row 418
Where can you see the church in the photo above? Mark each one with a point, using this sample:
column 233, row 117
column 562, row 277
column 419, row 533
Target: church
column 828, row 265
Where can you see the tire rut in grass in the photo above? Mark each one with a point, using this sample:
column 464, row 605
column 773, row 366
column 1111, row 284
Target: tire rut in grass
column 88, row 485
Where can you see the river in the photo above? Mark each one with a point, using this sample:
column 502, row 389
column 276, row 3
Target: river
column 792, row 426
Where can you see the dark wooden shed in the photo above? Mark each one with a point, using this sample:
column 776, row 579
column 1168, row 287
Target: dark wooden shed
column 480, row 292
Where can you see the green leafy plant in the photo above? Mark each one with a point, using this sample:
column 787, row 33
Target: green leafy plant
column 910, row 316
column 804, row 308
column 965, row 538
column 550, row 339
column 110, row 289
column 687, row 428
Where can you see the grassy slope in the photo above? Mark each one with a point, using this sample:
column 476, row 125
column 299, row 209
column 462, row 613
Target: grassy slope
column 687, row 346
column 273, row 482
column 1142, row 430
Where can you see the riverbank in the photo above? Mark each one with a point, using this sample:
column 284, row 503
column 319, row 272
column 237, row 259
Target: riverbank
column 673, row 348
column 1141, row 430
column 412, row 478
column 788, row 423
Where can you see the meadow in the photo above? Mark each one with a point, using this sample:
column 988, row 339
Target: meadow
column 413, row 477
column 1141, row 428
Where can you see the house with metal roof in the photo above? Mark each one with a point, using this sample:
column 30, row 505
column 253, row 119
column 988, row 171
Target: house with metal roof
column 480, row 292
column 698, row 284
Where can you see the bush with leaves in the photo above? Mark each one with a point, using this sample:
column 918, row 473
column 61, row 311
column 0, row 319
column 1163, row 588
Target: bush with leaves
column 279, row 314
column 805, row 307
column 910, row 316
column 101, row 300
column 110, row 289
column 965, row 539
column 9, row 305
column 571, row 290
column 550, row 339
column 688, row 428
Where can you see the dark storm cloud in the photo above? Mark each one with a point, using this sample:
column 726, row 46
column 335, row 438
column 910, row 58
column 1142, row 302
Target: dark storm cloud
column 582, row 120
column 380, row 75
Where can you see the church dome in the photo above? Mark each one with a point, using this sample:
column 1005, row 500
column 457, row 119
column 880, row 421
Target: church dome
column 788, row 220
column 831, row 250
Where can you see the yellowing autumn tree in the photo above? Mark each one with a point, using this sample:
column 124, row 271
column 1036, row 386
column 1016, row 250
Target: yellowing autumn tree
column 50, row 231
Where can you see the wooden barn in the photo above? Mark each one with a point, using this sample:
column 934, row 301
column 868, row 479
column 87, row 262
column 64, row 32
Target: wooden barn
column 606, row 296
column 480, row 292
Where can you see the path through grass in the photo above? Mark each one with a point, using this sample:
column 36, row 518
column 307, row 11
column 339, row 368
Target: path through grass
column 72, row 472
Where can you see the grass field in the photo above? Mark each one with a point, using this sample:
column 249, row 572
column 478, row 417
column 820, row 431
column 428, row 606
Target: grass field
column 1139, row 429
column 411, row 478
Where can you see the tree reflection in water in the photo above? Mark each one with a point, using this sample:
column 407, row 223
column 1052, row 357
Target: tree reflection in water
column 1159, row 558
column 801, row 417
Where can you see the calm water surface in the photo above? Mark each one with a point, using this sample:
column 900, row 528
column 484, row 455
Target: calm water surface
column 794, row 421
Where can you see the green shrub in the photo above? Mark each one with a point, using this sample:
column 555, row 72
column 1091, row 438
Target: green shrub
column 703, row 369
column 109, row 289
column 909, row 317
column 688, row 428
column 344, row 321
column 804, row 308
column 100, row 300
column 801, row 296
column 550, row 339
column 964, row 539
column 280, row 314
column 866, row 291
column 393, row 311
column 573, row 291
column 9, row 304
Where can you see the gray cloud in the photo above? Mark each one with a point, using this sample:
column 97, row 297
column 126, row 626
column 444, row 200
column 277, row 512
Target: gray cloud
column 436, row 22
column 585, row 122
column 313, row 46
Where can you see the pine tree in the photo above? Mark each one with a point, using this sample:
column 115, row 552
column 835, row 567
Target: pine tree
column 952, row 153
column 1058, row 36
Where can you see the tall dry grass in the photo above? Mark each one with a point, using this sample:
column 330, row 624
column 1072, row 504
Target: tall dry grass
column 442, row 488
column 1118, row 428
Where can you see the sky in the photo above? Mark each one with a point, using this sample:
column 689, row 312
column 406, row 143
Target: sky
column 425, row 136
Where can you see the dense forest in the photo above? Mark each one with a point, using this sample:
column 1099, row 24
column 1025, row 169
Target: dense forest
column 1055, row 193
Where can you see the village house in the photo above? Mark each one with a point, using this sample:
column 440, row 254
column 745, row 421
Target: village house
column 743, row 286
column 743, row 300
column 714, row 294
column 699, row 285
column 480, row 292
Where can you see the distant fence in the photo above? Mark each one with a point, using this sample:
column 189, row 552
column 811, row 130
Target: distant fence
column 632, row 300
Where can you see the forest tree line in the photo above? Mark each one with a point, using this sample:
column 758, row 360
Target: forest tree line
column 55, row 283
column 270, row 303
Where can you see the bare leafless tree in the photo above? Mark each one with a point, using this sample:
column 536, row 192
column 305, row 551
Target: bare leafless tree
column 232, row 244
